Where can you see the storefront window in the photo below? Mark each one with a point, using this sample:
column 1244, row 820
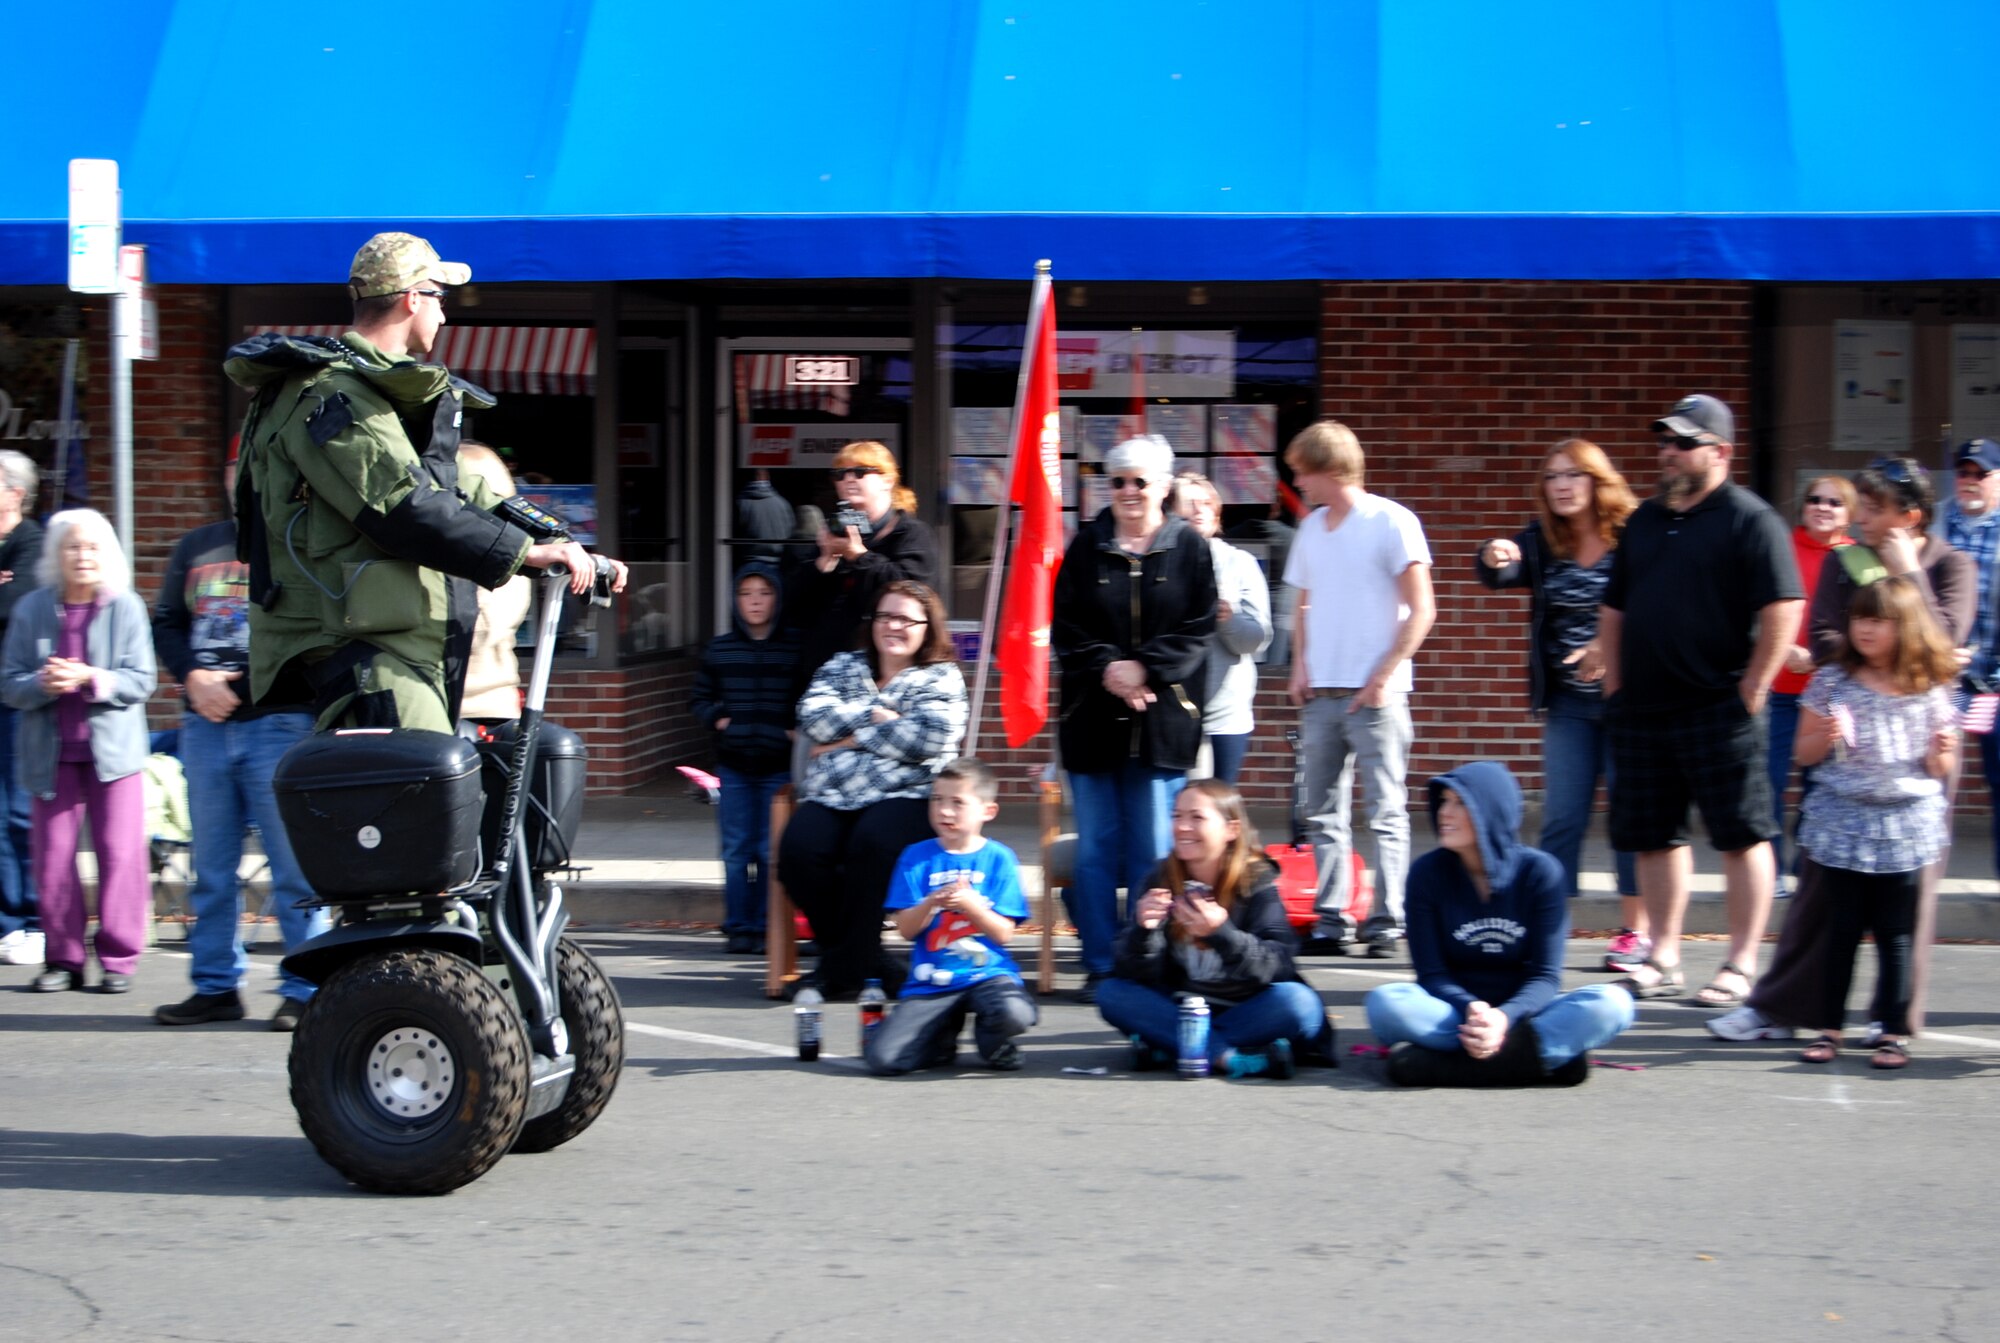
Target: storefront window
column 1228, row 396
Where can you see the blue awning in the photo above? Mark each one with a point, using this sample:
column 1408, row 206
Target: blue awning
column 1164, row 139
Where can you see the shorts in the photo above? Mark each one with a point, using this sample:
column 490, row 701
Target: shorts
column 1713, row 756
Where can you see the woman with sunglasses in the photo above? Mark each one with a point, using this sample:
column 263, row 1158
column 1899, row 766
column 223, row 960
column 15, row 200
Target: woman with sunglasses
column 881, row 720
column 1134, row 614
column 1563, row 558
column 873, row 538
column 1824, row 515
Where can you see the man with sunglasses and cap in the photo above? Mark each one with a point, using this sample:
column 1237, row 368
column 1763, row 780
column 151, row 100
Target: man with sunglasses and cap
column 1703, row 602
column 362, row 541
column 1969, row 521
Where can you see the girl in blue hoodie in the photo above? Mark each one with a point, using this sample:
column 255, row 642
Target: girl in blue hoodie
column 1487, row 925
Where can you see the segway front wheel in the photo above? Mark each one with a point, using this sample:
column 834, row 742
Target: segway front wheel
column 410, row 1073
column 596, row 1027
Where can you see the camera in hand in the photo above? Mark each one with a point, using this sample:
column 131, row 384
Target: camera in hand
column 847, row 515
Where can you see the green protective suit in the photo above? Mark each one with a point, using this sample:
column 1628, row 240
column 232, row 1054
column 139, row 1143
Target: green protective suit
column 362, row 543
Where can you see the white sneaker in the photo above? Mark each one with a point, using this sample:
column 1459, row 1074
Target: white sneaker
column 23, row 946
column 1747, row 1023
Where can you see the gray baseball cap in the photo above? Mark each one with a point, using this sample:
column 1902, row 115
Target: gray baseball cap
column 1698, row 416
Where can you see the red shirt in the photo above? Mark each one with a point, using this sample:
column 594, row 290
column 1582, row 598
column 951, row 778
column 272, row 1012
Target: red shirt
column 1811, row 555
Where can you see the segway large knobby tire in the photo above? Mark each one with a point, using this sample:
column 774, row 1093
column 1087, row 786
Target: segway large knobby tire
column 410, row 1073
column 596, row 1028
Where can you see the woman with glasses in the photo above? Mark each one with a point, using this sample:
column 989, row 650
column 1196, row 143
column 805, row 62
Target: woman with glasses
column 1242, row 628
column 1134, row 614
column 1894, row 503
column 881, row 721
column 1822, row 528
column 1563, row 558
column 873, row 538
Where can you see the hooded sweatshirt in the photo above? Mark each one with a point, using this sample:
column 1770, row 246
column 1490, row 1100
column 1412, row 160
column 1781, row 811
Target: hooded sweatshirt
column 1507, row 949
column 754, row 684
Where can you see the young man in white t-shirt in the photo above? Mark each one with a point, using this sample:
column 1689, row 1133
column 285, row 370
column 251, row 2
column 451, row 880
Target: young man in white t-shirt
column 1362, row 570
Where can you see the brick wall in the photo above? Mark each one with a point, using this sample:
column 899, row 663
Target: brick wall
column 1456, row 391
column 633, row 720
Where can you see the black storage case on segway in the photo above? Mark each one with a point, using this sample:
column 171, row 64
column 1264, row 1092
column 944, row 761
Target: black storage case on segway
column 374, row 813
column 553, row 806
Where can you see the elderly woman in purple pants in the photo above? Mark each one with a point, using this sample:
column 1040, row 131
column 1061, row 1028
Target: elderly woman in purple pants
column 78, row 665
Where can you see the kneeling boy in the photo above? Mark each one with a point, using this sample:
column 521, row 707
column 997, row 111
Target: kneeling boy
column 958, row 899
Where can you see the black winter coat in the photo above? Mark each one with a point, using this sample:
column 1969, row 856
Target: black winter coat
column 827, row 609
column 1256, row 947
column 1159, row 609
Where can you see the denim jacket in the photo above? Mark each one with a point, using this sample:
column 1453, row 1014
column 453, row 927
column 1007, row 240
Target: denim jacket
column 119, row 643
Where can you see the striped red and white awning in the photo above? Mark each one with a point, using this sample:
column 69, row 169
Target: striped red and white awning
column 538, row 360
column 760, row 385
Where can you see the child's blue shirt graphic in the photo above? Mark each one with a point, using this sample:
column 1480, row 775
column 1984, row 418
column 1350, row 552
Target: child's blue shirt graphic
column 951, row 954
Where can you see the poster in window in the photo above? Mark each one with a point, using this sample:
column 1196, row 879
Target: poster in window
column 574, row 504
column 1244, row 480
column 1871, row 386
column 1094, row 494
column 1099, row 434
column 978, row 480
column 1177, row 364
column 980, row 431
column 808, row 445
column 1244, row 429
column 1184, row 427
column 1975, row 381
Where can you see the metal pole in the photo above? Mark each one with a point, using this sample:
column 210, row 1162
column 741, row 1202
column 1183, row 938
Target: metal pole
column 124, row 317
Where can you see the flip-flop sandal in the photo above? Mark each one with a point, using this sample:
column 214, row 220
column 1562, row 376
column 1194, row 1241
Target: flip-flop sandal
column 1717, row 994
column 1672, row 981
column 1890, row 1055
column 1823, row 1050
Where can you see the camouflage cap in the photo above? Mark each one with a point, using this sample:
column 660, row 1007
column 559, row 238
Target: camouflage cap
column 390, row 263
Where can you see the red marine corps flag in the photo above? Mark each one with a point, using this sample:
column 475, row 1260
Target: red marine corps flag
column 1022, row 649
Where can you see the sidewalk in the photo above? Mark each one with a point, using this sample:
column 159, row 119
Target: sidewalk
column 651, row 857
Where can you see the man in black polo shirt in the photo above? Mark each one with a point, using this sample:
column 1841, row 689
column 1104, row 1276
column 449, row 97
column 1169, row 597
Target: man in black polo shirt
column 1703, row 601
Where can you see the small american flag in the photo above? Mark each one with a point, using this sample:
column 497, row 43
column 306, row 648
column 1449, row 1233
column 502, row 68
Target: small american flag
column 1977, row 715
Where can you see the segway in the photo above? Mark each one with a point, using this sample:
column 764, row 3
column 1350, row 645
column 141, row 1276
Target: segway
column 454, row 1021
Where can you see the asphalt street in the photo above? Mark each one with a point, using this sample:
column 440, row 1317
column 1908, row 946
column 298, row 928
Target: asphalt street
column 156, row 1186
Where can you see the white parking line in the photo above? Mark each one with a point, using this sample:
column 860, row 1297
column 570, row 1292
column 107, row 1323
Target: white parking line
column 741, row 1046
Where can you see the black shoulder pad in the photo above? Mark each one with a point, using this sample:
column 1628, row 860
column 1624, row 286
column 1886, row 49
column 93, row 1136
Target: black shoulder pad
column 334, row 417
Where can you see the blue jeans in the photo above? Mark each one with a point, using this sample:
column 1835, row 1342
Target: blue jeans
column 1576, row 749
column 1290, row 1011
column 228, row 768
column 1586, row 1018
column 1124, row 827
column 17, row 879
column 743, row 815
column 1226, row 754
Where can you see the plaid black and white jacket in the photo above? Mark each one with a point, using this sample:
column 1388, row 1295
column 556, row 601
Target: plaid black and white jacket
column 893, row 759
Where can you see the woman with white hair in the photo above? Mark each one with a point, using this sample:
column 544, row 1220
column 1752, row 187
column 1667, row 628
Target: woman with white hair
column 78, row 665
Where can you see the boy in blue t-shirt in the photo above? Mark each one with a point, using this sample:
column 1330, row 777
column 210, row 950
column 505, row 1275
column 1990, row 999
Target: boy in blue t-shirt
column 958, row 899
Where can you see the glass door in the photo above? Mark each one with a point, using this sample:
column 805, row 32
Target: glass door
column 785, row 408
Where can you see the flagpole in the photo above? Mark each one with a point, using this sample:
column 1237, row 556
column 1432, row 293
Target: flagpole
column 1038, row 297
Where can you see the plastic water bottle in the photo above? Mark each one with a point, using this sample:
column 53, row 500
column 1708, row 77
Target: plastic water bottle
column 874, row 1006
column 1193, row 1037
column 806, row 1012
